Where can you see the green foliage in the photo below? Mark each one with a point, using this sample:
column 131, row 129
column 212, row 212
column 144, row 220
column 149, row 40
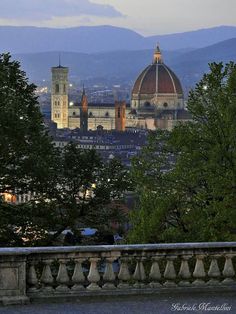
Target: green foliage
column 187, row 179
column 85, row 189
column 24, row 144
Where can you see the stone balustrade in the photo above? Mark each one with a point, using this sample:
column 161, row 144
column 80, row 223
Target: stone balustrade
column 73, row 272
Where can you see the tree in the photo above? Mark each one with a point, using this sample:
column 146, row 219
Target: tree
column 189, row 193
column 24, row 144
column 84, row 191
column 26, row 150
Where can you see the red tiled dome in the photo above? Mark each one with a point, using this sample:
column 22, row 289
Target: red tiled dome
column 157, row 78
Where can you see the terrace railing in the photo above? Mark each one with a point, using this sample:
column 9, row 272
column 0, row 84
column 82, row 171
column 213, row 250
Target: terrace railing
column 30, row 274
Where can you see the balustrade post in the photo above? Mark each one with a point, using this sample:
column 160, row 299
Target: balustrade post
column 228, row 271
column 155, row 273
column 199, row 271
column 184, row 272
column 109, row 275
column 78, row 277
column 139, row 274
column 214, row 271
column 93, row 276
column 47, row 278
column 62, row 277
column 124, row 274
column 32, row 279
column 170, row 273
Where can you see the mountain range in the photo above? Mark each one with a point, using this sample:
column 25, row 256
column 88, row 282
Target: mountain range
column 124, row 66
column 112, row 54
column 92, row 39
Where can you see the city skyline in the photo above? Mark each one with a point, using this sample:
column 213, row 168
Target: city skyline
column 147, row 18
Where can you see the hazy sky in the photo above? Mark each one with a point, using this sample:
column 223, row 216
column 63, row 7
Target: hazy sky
column 147, row 17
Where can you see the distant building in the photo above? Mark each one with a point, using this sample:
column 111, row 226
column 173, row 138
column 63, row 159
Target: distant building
column 120, row 116
column 157, row 101
column 84, row 113
column 59, row 96
column 108, row 144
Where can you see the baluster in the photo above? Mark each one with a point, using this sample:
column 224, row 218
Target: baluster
column 155, row 273
column 214, row 271
column 62, row 277
column 47, row 278
column 228, row 270
column 124, row 274
column 184, row 272
column 170, row 273
column 78, row 277
column 199, row 271
column 109, row 275
column 32, row 279
column 139, row 273
column 93, row 276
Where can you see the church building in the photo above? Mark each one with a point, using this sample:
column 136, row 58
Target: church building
column 157, row 101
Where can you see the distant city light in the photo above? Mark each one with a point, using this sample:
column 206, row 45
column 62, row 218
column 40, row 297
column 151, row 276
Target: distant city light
column 42, row 90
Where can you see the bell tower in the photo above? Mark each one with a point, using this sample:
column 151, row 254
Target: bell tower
column 84, row 112
column 59, row 96
column 120, row 119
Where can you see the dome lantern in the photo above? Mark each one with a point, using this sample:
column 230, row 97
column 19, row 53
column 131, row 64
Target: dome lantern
column 157, row 58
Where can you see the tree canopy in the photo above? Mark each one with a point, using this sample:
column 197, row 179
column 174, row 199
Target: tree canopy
column 24, row 144
column 186, row 179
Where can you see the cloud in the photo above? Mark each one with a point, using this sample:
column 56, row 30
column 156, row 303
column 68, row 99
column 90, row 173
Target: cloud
column 47, row 9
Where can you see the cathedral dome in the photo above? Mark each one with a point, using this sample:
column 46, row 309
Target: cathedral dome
column 157, row 79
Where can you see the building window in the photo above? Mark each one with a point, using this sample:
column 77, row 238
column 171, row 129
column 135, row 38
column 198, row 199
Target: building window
column 90, row 114
column 64, row 88
column 118, row 113
column 107, row 114
column 57, row 88
column 165, row 105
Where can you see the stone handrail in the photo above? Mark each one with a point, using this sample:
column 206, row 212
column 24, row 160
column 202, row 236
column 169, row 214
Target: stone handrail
column 71, row 272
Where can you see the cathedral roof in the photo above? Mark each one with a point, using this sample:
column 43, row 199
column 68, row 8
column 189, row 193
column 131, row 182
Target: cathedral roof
column 157, row 78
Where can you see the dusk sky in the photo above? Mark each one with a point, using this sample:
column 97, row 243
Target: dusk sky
column 147, row 17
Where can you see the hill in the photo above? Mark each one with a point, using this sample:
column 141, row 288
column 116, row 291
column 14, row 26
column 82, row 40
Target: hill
column 192, row 65
column 124, row 66
column 195, row 39
column 103, row 39
column 78, row 39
